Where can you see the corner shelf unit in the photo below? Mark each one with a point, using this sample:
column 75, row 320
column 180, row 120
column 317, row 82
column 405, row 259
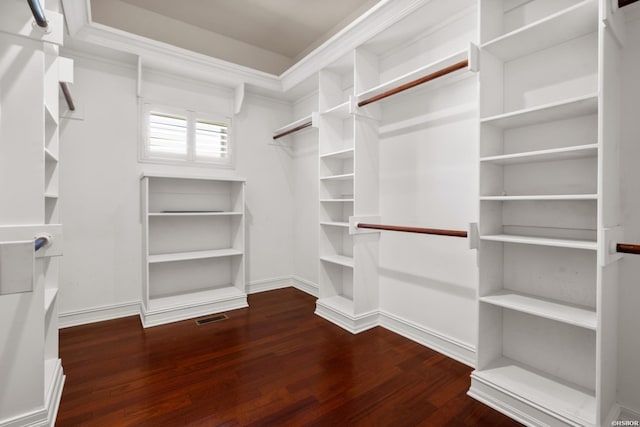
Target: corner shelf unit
column 547, row 175
column 193, row 246
column 390, row 64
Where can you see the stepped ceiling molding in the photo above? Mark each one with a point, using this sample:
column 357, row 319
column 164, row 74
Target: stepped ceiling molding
column 87, row 33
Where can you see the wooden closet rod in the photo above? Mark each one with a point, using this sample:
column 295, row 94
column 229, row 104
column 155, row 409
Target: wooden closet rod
column 623, row 3
column 290, row 131
column 38, row 13
column 627, row 248
column 439, row 232
column 67, row 96
column 414, row 83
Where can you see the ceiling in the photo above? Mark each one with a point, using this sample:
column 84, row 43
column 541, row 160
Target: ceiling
column 268, row 35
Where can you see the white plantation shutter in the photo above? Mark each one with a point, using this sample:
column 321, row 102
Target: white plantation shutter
column 177, row 135
column 212, row 140
column 167, row 135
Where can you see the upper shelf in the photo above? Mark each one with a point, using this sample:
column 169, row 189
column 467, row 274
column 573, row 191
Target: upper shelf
column 568, row 24
column 194, row 213
column 443, row 70
column 563, row 153
column 295, row 126
column 341, row 154
column 574, row 107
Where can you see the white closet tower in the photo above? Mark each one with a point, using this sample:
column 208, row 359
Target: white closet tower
column 30, row 71
column 549, row 210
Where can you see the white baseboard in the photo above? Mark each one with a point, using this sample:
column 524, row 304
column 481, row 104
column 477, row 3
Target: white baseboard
column 268, row 284
column 190, row 311
column 448, row 346
column 627, row 414
column 45, row 417
column 98, row 314
column 352, row 323
column 305, row 286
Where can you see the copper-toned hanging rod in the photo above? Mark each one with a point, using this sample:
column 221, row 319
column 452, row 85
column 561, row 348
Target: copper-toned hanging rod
column 67, row 96
column 627, row 248
column 439, row 232
column 295, row 129
column 622, row 3
column 414, row 83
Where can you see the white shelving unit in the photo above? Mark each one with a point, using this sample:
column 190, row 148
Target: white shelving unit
column 547, row 141
column 349, row 151
column 193, row 247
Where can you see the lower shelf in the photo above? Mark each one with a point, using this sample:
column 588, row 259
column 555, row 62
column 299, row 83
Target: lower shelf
column 506, row 379
column 173, row 308
column 338, row 259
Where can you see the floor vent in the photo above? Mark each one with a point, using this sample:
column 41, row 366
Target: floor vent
column 211, row 319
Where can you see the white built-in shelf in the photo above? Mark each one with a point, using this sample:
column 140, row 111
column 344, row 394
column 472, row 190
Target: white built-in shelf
column 50, row 195
column 541, row 197
column 194, row 298
column 342, row 111
column 343, row 177
column 170, row 214
column 576, row 315
column 421, row 72
column 192, row 177
column 335, row 224
column 540, row 389
column 49, row 156
column 574, row 107
column 564, row 153
column 50, row 118
column 338, row 303
column 336, row 200
column 342, row 260
column 295, row 124
column 568, row 24
column 341, row 154
column 186, row 256
column 49, row 296
column 542, row 241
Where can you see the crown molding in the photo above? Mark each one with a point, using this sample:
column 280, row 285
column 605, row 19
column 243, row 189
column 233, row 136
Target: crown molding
column 179, row 61
column 377, row 19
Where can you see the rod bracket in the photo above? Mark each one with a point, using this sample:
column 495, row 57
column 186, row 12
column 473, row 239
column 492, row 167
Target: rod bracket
column 355, row 220
column 610, row 237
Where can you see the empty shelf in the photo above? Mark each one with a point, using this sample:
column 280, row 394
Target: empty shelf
column 49, row 296
column 564, row 153
column 343, row 177
column 337, row 303
column 571, row 314
column 186, row 256
column 340, row 154
column 574, row 107
column 186, row 213
column 342, row 111
column 540, row 389
column 49, row 156
column 571, row 23
column 338, row 259
column 335, row 224
column 543, row 241
column 194, row 298
column 336, row 200
column 542, row 197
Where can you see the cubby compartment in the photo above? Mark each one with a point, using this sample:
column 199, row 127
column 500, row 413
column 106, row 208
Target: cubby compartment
column 339, row 277
column 336, row 87
column 540, row 361
column 183, row 196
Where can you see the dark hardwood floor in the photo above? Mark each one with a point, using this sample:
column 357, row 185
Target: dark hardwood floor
column 275, row 364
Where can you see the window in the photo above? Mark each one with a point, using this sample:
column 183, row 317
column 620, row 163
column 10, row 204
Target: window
column 182, row 136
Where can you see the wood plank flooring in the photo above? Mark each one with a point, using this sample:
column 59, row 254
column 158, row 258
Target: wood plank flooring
column 275, row 364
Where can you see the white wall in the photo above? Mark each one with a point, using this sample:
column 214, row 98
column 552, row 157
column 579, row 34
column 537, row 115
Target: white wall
column 629, row 338
column 304, row 151
column 100, row 206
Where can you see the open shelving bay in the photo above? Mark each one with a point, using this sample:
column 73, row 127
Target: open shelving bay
column 193, row 246
column 543, row 218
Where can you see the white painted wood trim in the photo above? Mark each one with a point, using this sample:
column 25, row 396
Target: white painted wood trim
column 441, row 343
column 305, row 285
column 98, row 314
column 46, row 416
column 265, row 285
